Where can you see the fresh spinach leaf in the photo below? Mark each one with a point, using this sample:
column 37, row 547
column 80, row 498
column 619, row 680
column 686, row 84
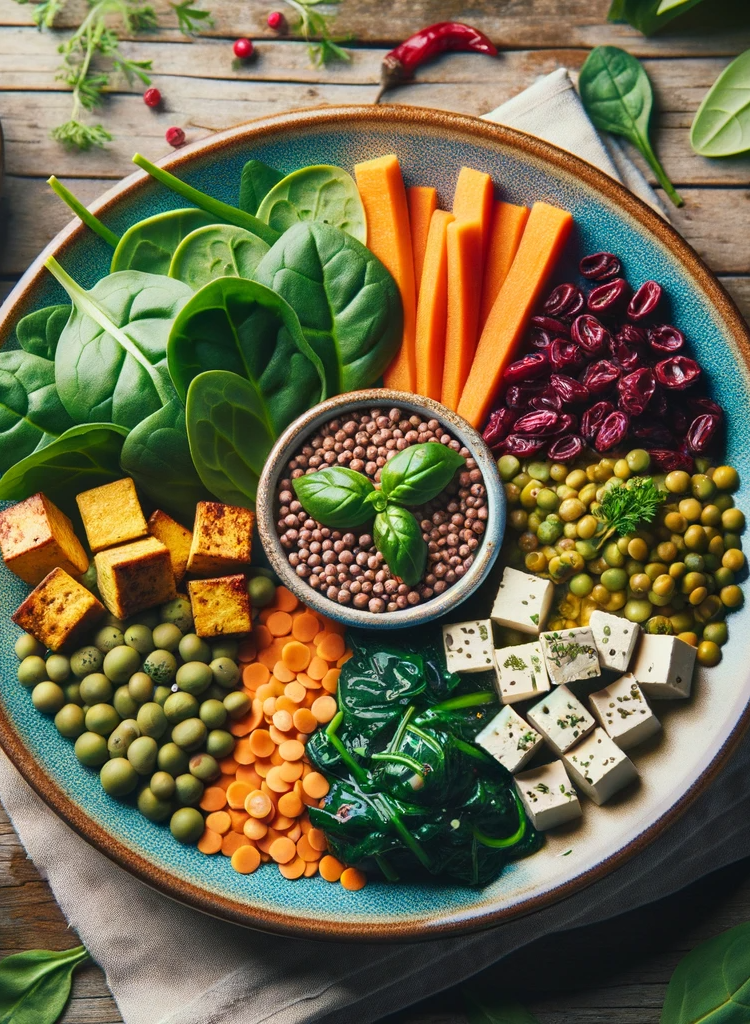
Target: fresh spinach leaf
column 485, row 1008
column 246, row 328
column 230, row 433
column 347, row 302
column 38, row 333
column 722, row 124
column 150, row 244
column 336, row 496
column 319, row 193
column 711, row 984
column 648, row 16
column 218, row 250
column 110, row 363
column 256, row 182
column 35, row 985
column 419, row 473
column 617, row 95
column 31, row 414
column 398, row 537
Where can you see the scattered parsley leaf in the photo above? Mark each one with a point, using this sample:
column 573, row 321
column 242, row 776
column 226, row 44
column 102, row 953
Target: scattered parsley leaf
column 190, row 19
column 623, row 509
column 314, row 26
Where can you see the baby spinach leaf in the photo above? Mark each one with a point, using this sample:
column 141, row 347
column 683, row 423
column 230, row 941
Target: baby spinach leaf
column 31, row 414
column 617, row 95
column 648, row 16
column 230, row 434
column 150, row 244
column 419, row 473
column 217, row 250
column 243, row 327
column 722, row 124
column 711, row 984
column 110, row 363
column 398, row 537
column 486, row 1008
column 35, row 985
column 323, row 193
column 39, row 332
column 256, row 182
column 346, row 300
column 336, row 496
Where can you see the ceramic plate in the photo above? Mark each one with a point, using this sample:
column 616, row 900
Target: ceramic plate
column 698, row 734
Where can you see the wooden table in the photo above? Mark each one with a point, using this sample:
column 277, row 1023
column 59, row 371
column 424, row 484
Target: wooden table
column 617, row 971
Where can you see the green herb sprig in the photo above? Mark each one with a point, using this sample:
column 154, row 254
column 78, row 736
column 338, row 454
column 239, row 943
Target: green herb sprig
column 623, row 509
column 315, row 27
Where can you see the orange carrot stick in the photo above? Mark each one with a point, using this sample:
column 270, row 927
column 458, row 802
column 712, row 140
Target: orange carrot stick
column 464, row 249
column 508, row 223
column 422, row 202
column 473, row 200
column 432, row 307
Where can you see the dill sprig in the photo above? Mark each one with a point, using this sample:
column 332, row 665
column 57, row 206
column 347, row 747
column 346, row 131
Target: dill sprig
column 190, row 19
column 314, row 26
column 623, row 509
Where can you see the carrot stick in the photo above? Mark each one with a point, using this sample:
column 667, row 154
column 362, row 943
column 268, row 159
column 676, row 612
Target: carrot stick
column 422, row 202
column 432, row 306
column 543, row 239
column 473, row 200
column 508, row 222
column 464, row 249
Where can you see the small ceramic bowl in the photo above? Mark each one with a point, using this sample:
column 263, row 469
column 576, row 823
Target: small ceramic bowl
column 267, row 508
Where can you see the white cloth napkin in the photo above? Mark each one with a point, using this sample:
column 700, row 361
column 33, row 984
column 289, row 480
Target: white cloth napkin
column 167, row 964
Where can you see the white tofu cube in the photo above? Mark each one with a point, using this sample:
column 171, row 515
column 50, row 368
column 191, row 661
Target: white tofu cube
column 523, row 601
column 599, row 767
column 570, row 654
column 548, row 796
column 520, row 672
column 615, row 640
column 469, row 646
column 664, row 667
column 561, row 719
column 509, row 739
column 624, row 712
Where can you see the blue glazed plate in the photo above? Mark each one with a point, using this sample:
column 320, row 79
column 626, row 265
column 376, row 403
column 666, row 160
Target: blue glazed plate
column 698, row 735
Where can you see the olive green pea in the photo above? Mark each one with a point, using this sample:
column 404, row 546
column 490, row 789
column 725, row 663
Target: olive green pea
column 151, row 720
column 694, row 562
column 225, row 649
column 141, row 687
column 731, row 597
column 637, row 611
column 716, row 632
column 219, row 743
column 586, row 549
column 178, row 612
column 581, row 585
column 733, row 559
column 262, row 591
column 72, row 693
column 225, row 672
column 32, row 670
column 85, row 661
column 696, row 539
column 723, row 577
column 180, row 706
column 96, row 689
column 189, row 734
column 723, row 502
column 638, row 459
column 549, row 532
column 261, row 570
column 107, row 638
column 710, row 516
column 90, row 579
column 587, row 494
column 118, row 777
column 237, row 704
column 193, row 648
column 518, row 519
column 659, row 625
column 167, row 636
column 659, row 600
column 58, row 668
column 733, row 519
column 151, row 807
column 613, row 556
column 204, row 767
column 212, row 713
column 702, row 487
column 48, row 697
column 539, row 470
column 215, row 692
column 186, row 825
column 654, row 569
column 709, row 654
column 102, row 718
column 194, row 677
column 161, row 666
column 732, row 540
column 188, row 790
column 682, row 622
column 142, row 754
column 121, row 738
column 711, row 561
column 70, row 721
column 161, row 693
column 91, row 749
column 614, row 579
column 508, row 466
column 124, row 704
column 162, row 785
column 140, row 638
column 120, row 663
column 726, row 478
column 27, row 645
column 172, row 759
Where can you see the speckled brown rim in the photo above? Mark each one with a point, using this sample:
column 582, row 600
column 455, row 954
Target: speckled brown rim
column 389, row 930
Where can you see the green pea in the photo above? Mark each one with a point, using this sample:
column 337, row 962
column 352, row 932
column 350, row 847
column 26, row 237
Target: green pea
column 90, row 580
column 682, row 622
column 549, row 532
column 124, row 704
column 711, row 561
column 193, row 648
column 710, row 516
column 70, row 721
column 161, row 666
column 48, row 697
column 547, row 500
column 518, row 519
column 167, row 636
column 32, row 670
column 237, row 704
column 219, row 743
column 151, row 720
column 586, row 549
column 142, row 754
column 723, row 502
column 118, row 777
column 72, row 693
column 27, row 645
column 189, row 734
column 140, row 638
column 96, row 689
column 637, row 611
column 581, row 584
column 152, row 807
column 107, row 638
column 709, row 654
column 162, row 785
column 58, row 668
column 723, row 577
column 225, row 649
column 178, row 612
column 614, row 579
column 186, row 825
column 732, row 541
column 194, row 677
column 225, row 672
column 141, row 687
column 180, row 706
column 508, row 466
column 121, row 738
column 638, row 460
column 659, row 625
column 702, row 487
column 86, row 660
column 91, row 749
column 161, row 693
column 731, row 597
column 262, row 591
column 188, row 790
column 212, row 713
column 102, row 718
column 733, row 519
column 587, row 494
column 613, row 556
column 726, row 478
column 204, row 767
column 215, row 692
column 694, row 562
column 716, row 633
column 120, row 663
column 172, row 759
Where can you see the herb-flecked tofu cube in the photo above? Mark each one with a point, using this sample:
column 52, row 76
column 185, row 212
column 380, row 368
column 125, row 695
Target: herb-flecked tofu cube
column 174, row 537
column 599, row 768
column 135, row 576
column 664, row 667
column 222, row 539
column 509, row 739
column 624, row 713
column 58, row 611
column 469, row 646
column 523, row 602
column 615, row 640
column 520, row 672
column 221, row 607
column 36, row 537
column 111, row 515
column 548, row 796
column 561, row 719
column 570, row 654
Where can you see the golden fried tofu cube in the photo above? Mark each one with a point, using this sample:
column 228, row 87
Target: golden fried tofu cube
column 36, row 537
column 175, row 537
column 112, row 515
column 58, row 611
column 221, row 607
column 135, row 576
column 222, row 539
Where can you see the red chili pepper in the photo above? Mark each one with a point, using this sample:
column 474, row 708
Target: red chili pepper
column 400, row 64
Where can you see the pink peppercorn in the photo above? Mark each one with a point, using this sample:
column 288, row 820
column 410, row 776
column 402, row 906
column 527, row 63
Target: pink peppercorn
column 152, row 97
column 243, row 49
column 175, row 136
column 276, row 21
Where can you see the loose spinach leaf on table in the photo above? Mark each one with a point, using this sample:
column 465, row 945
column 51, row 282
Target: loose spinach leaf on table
column 711, row 985
column 256, row 182
column 35, row 985
column 31, row 414
column 722, row 124
column 38, row 333
column 150, row 244
column 218, row 250
column 419, row 473
column 347, row 302
column 336, row 496
column 648, row 16
column 246, row 328
column 230, row 433
column 321, row 193
column 398, row 537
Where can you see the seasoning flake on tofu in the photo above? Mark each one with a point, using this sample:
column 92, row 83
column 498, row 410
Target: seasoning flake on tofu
column 523, row 601
column 510, row 740
column 469, row 646
column 615, row 640
column 599, row 768
column 570, row 654
column 561, row 719
column 664, row 667
column 624, row 712
column 58, row 611
column 548, row 796
column 520, row 672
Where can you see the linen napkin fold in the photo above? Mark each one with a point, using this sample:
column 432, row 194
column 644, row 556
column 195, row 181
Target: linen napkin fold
column 167, row 964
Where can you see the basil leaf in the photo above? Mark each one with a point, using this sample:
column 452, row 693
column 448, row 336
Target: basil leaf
column 722, row 125
column 480, row 1009
column 256, row 182
column 35, row 985
column 419, row 473
column 398, row 537
column 712, row 983
column 38, row 333
column 336, row 497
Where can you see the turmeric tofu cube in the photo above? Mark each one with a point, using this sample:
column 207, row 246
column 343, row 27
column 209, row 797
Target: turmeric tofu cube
column 112, row 515
column 135, row 576
column 175, row 537
column 36, row 537
column 58, row 611
column 221, row 607
column 222, row 539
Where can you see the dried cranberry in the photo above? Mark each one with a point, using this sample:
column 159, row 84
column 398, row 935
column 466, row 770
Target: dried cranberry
column 555, row 328
column 518, row 396
column 567, row 423
column 531, row 366
column 677, row 373
column 653, row 432
column 701, row 405
column 501, row 421
column 667, row 461
column 628, row 357
column 599, row 266
column 632, row 335
column 636, row 391
column 659, row 406
column 593, row 418
column 609, row 298
column 566, row 448
column 566, row 301
column 569, row 389
column 547, row 399
column 612, row 432
column 702, row 432
column 539, row 338
column 565, row 354
column 526, row 447
column 665, row 338
column 600, row 376
column 644, row 302
column 679, row 419
column 591, row 335
column 540, row 423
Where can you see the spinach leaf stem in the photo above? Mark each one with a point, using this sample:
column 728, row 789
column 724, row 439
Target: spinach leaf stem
column 502, row 844
column 80, row 211
column 468, row 700
column 358, row 772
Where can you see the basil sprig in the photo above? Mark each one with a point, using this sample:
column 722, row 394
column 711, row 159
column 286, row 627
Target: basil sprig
column 341, row 498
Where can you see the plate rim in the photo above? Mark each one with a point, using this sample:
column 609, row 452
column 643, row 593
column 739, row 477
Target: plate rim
column 413, row 928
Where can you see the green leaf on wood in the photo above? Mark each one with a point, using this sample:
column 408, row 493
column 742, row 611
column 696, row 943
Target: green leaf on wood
column 711, row 985
column 35, row 985
column 483, row 1008
column 722, row 124
column 648, row 16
